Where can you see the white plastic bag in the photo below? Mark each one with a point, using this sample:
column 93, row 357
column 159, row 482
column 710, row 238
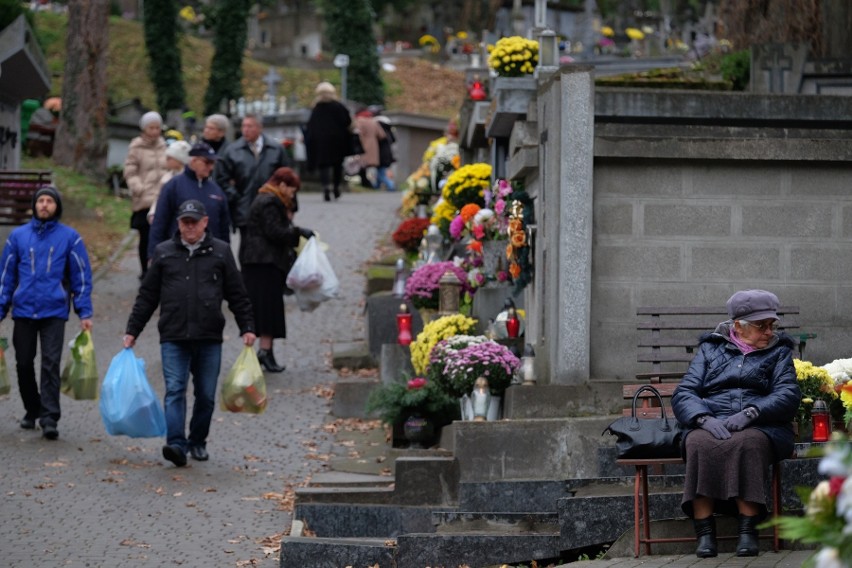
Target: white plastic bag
column 312, row 278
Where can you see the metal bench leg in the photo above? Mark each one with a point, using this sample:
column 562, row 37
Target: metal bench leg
column 646, row 511
column 637, row 484
column 776, row 504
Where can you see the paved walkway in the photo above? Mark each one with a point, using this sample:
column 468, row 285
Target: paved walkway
column 782, row 559
column 93, row 500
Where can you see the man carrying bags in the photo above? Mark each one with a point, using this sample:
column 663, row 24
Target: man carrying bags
column 190, row 276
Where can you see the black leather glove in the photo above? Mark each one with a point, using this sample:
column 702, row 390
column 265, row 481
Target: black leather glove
column 307, row 233
column 715, row 427
column 741, row 419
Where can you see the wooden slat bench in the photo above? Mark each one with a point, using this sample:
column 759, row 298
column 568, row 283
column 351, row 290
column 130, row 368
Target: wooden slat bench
column 16, row 194
column 668, row 339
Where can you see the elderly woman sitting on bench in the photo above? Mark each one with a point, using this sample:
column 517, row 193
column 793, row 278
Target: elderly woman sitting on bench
column 739, row 396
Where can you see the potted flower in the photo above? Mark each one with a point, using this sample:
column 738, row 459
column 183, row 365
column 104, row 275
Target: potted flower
column 456, row 370
column 827, row 521
column 433, row 332
column 514, row 56
column 396, row 401
column 409, row 233
column 421, row 288
column 815, row 383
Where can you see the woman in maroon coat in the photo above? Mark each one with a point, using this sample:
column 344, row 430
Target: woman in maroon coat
column 328, row 139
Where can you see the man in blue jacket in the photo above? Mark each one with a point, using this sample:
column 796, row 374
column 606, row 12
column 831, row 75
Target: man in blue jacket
column 44, row 268
column 196, row 182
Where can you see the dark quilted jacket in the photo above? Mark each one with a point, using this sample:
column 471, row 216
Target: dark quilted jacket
column 721, row 381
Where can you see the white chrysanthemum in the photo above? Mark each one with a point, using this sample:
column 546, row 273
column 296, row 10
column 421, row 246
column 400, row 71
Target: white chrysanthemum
column 828, row 558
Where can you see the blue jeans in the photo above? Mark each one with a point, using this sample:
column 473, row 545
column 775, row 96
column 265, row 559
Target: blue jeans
column 203, row 360
column 382, row 178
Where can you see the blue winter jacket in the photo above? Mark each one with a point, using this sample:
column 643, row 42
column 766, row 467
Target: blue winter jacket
column 721, row 382
column 44, row 266
column 179, row 189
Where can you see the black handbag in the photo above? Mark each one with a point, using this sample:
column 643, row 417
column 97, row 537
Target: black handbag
column 647, row 438
column 355, row 146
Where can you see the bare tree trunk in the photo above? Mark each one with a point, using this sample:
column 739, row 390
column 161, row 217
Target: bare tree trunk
column 82, row 138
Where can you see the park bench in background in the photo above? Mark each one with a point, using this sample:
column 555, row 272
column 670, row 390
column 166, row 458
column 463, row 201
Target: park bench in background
column 16, row 194
column 668, row 339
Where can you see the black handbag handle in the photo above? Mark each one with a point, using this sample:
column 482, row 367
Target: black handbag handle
column 656, row 393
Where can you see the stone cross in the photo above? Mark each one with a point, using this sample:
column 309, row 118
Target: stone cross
column 272, row 79
column 777, row 63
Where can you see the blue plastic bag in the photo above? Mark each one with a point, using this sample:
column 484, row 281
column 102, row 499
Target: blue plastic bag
column 128, row 404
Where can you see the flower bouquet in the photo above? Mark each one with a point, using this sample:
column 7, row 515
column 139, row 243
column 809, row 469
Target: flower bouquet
column 457, row 365
column 467, row 185
column 396, row 401
column 513, row 56
column 840, row 371
column 409, row 233
column 828, row 514
column 815, row 383
column 433, row 332
column 423, row 284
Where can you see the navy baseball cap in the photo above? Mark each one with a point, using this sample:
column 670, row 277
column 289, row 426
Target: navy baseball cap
column 193, row 209
column 203, row 150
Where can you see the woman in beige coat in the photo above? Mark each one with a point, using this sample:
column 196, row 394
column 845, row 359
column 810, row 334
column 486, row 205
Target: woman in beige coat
column 370, row 132
column 143, row 168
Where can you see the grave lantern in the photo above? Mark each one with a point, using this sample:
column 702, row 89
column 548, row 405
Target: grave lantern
column 822, row 423
column 449, row 287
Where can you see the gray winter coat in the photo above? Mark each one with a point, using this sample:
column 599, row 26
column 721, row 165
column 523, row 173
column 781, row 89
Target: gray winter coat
column 721, row 382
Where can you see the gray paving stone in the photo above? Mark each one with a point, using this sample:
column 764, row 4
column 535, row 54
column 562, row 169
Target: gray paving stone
column 93, row 500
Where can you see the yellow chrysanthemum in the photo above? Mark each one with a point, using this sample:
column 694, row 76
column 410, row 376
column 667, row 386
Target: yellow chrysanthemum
column 433, row 332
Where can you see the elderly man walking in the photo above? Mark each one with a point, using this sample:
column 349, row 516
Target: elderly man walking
column 44, row 267
column 245, row 166
column 190, row 276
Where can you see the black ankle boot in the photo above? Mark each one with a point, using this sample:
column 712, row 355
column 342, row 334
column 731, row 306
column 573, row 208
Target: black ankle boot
column 705, row 533
column 267, row 361
column 747, row 544
column 326, row 194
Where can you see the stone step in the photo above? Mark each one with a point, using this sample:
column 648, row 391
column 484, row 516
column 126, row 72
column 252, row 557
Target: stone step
column 347, row 520
column 336, row 552
column 372, row 495
column 475, row 549
column 344, row 479
column 455, row 522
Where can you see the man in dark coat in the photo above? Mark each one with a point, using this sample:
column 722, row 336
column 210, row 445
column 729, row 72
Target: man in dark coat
column 328, row 139
column 190, row 276
column 246, row 165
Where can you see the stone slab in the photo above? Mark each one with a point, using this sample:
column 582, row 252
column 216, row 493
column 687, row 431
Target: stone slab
column 426, row 481
column 452, row 522
column 352, row 355
column 474, row 550
column 562, row 401
column 381, row 311
column 350, row 397
column 395, row 363
column 343, row 520
column 334, row 553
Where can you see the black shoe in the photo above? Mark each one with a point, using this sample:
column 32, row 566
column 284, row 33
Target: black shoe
column 175, row 455
column 267, row 361
column 198, row 453
column 28, row 423
column 50, row 432
column 705, row 533
column 326, row 194
column 336, row 193
column 747, row 544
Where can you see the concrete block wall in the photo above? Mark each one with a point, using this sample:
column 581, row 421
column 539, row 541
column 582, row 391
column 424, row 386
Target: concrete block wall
column 691, row 197
column 691, row 232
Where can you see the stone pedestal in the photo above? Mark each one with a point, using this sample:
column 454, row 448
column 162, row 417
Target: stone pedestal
column 395, row 363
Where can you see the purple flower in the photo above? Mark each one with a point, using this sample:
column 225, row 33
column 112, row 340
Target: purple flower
column 422, row 286
column 456, row 227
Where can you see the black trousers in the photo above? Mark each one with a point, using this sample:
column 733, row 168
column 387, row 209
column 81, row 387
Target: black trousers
column 331, row 176
column 26, row 335
column 139, row 221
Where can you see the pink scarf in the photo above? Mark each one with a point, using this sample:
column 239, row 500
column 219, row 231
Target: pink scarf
column 744, row 347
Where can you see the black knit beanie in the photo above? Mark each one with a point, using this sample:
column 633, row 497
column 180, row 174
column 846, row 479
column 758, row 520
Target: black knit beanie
column 52, row 192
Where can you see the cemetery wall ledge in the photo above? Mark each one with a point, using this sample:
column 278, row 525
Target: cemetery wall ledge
column 723, row 108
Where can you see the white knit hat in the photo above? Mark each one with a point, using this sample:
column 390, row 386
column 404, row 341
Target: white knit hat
column 179, row 150
column 150, row 118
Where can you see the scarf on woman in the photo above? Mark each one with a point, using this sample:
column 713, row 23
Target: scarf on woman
column 279, row 193
column 744, row 347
